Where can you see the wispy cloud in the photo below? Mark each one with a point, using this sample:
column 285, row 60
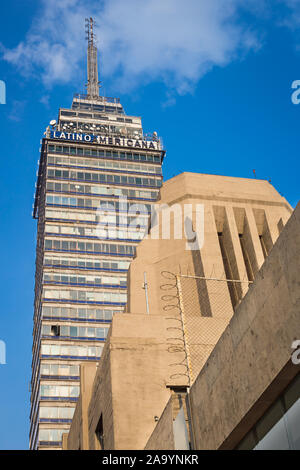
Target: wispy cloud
column 45, row 100
column 54, row 45
column 17, row 110
column 171, row 41
column 292, row 19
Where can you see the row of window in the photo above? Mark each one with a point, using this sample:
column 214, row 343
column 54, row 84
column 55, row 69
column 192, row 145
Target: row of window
column 97, row 232
column 87, row 264
column 101, row 190
column 71, row 351
column 92, row 217
column 84, row 115
column 104, row 178
column 87, row 152
column 80, row 313
column 109, row 217
column 56, row 412
column 94, row 107
column 92, row 116
column 59, row 390
column 51, row 435
column 83, row 296
column 63, row 370
column 82, row 106
column 124, row 119
column 74, row 331
column 98, row 204
column 107, row 248
column 89, row 279
column 109, row 164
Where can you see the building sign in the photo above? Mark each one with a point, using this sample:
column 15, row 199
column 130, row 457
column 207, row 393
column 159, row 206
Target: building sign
column 106, row 140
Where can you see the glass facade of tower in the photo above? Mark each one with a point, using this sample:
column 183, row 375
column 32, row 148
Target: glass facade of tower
column 98, row 175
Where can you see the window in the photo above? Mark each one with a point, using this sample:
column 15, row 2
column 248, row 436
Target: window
column 100, row 434
column 73, row 331
column 48, row 244
column 55, row 330
column 68, row 113
column 278, row 429
column 50, row 435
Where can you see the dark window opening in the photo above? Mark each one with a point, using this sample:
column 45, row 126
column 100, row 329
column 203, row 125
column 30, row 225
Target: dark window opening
column 55, row 330
column 99, row 433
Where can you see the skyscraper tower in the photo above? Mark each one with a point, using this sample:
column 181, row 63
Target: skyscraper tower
column 98, row 175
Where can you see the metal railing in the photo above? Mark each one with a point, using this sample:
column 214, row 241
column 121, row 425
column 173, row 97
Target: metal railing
column 102, row 99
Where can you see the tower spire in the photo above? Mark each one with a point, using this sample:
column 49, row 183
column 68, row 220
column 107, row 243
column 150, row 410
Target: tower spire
column 92, row 61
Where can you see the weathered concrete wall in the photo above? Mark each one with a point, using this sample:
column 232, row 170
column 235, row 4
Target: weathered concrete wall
column 78, row 433
column 101, row 402
column 162, row 437
column 251, row 363
column 130, row 387
column 75, row 432
column 65, row 441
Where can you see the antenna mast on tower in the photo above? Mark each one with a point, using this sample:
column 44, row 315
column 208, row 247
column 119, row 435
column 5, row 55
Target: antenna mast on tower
column 92, row 60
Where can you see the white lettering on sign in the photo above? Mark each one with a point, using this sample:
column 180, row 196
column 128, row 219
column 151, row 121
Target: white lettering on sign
column 105, row 140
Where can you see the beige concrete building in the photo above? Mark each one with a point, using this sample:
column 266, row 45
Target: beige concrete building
column 247, row 395
column 179, row 355
column 242, row 220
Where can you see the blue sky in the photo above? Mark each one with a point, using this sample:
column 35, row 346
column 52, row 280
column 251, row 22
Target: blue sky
column 212, row 77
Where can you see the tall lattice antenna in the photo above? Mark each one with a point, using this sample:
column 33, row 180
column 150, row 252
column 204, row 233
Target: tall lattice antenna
column 92, row 62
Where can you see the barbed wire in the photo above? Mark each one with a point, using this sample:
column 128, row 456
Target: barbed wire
column 177, row 344
column 200, row 309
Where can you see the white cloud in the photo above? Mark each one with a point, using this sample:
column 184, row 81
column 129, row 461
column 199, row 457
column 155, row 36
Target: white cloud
column 17, row 110
column 54, row 45
column 292, row 20
column 172, row 41
column 45, row 100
